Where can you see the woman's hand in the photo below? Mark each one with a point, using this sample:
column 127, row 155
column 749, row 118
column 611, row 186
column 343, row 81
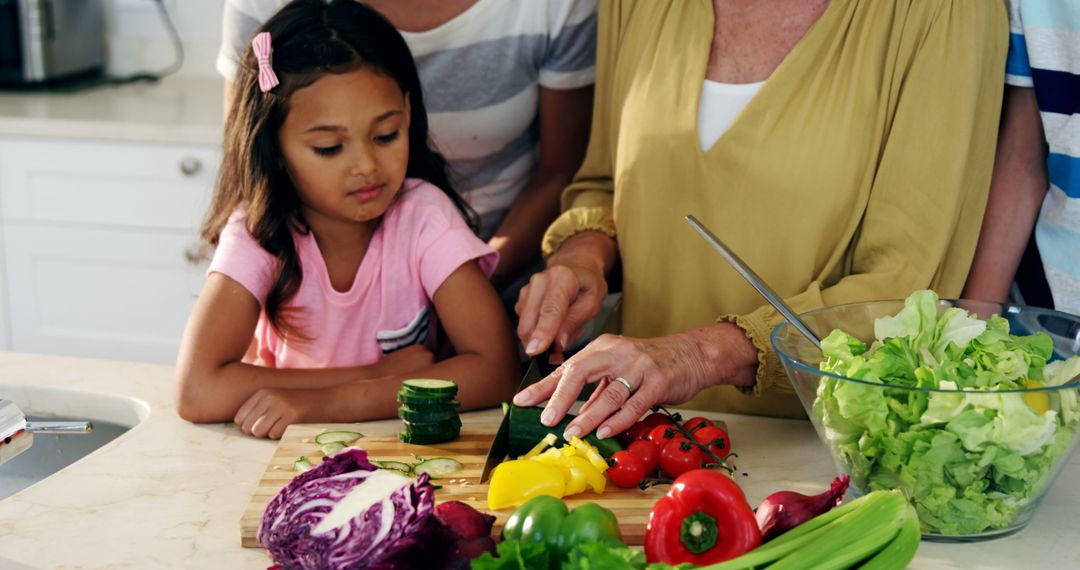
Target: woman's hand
column 665, row 370
column 270, row 410
column 558, row 302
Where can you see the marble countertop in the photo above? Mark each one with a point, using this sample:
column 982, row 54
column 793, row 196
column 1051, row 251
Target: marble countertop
column 180, row 109
column 169, row 494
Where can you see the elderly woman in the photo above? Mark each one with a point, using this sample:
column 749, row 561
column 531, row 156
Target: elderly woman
column 843, row 149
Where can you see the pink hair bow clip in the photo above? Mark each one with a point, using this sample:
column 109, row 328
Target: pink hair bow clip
column 261, row 46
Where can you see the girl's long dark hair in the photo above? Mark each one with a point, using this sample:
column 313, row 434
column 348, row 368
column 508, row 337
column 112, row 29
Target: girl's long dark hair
column 309, row 38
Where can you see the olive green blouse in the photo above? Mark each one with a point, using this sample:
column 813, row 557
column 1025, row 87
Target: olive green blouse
column 859, row 170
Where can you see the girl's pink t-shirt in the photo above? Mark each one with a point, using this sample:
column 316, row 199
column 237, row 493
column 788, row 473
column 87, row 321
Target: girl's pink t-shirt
column 421, row 241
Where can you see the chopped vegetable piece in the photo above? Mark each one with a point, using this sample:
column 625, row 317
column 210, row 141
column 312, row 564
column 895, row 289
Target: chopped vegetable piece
column 438, row 467
column 516, row 481
column 548, row 441
column 332, row 448
column 337, row 436
column 403, row 468
column 302, row 464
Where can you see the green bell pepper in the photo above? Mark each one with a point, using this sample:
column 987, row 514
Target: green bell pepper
column 546, row 519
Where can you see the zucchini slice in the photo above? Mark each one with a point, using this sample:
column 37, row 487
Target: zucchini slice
column 403, row 468
column 415, row 416
column 431, row 387
column 302, row 464
column 437, row 467
column 337, row 437
column 332, row 448
column 411, row 398
column 426, row 438
column 433, row 428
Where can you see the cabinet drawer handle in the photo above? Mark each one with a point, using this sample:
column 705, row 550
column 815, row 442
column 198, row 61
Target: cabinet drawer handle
column 190, row 166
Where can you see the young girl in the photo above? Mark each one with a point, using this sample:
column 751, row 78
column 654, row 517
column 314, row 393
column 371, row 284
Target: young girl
column 337, row 239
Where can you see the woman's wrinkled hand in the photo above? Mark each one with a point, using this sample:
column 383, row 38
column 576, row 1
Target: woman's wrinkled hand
column 558, row 302
column 270, row 410
column 664, row 370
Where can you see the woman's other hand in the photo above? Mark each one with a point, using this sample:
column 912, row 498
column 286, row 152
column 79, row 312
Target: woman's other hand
column 558, row 302
column 665, row 370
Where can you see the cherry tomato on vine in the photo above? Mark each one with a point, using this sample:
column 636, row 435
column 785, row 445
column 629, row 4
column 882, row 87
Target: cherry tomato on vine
column 641, row 429
column 678, row 457
column 657, row 418
column 627, row 469
column 665, row 433
column 693, row 424
column 716, row 438
column 648, row 451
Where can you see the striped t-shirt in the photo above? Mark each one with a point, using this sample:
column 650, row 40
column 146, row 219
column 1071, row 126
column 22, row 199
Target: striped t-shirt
column 481, row 74
column 1044, row 53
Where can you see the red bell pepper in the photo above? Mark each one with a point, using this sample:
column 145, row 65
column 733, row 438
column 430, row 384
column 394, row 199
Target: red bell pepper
column 703, row 519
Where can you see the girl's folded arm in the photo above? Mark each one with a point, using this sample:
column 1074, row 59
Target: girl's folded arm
column 212, row 381
column 485, row 365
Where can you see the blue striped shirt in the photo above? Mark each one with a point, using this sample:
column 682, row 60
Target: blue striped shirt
column 1044, row 54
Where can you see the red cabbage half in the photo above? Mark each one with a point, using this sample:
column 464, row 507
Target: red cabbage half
column 394, row 528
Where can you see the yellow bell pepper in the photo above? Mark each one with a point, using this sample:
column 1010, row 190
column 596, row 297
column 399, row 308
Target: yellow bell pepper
column 581, row 467
column 1039, row 402
column 516, row 481
column 575, row 482
column 590, row 453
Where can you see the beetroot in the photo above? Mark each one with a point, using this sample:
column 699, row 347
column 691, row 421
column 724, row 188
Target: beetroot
column 463, row 520
column 467, row 533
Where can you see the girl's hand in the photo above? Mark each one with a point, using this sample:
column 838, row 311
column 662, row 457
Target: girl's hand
column 270, row 410
column 665, row 370
column 557, row 303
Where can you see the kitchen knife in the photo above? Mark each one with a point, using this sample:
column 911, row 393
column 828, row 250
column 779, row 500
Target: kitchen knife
column 500, row 444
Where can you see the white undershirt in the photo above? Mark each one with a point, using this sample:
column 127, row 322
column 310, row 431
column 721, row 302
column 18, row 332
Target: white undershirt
column 720, row 104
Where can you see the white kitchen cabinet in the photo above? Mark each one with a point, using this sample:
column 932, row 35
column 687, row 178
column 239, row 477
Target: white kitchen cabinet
column 98, row 241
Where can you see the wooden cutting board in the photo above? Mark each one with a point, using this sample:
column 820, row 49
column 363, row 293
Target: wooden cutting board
column 631, row 506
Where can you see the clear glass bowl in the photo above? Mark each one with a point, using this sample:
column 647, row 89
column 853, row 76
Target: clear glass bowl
column 966, row 481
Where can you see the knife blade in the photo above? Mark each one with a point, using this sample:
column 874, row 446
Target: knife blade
column 500, row 444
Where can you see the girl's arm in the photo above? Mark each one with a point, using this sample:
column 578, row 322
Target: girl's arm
column 213, row 382
column 485, row 365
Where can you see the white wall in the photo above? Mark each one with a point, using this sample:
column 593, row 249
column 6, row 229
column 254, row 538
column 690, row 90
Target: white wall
column 139, row 41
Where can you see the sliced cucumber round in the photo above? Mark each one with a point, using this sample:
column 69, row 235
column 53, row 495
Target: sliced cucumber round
column 403, row 468
column 332, row 448
column 431, row 386
column 433, row 428
column 437, row 467
column 337, row 437
column 408, row 436
column 440, row 406
column 413, row 398
column 302, row 464
column 416, row 416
